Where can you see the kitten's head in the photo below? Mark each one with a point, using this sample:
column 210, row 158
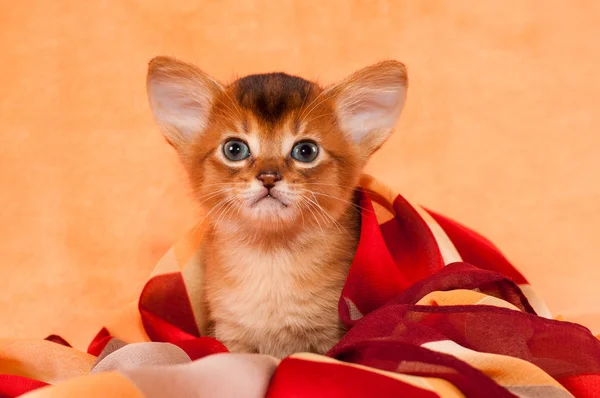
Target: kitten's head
column 274, row 149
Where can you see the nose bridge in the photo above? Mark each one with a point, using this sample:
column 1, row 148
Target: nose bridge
column 270, row 165
column 269, row 168
column 270, row 161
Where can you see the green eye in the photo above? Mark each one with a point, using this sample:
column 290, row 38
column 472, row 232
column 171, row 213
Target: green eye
column 236, row 150
column 305, row 151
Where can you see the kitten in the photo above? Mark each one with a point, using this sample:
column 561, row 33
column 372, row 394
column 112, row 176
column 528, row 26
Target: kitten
column 276, row 160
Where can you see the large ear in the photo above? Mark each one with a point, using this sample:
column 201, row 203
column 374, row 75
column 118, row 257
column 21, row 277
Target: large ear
column 181, row 97
column 368, row 103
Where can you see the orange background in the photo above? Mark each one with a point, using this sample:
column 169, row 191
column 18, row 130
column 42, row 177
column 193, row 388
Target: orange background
column 500, row 132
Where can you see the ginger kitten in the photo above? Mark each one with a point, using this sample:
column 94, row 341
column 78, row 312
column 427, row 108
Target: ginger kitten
column 275, row 160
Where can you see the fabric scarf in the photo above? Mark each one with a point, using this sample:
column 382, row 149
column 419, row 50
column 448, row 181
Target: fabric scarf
column 431, row 307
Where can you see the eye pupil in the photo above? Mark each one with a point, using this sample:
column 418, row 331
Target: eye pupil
column 306, row 151
column 235, row 149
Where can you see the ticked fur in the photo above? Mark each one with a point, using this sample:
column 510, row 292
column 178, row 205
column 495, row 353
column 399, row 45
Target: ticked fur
column 277, row 254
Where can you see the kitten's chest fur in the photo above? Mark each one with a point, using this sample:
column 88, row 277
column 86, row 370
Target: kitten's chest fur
column 277, row 298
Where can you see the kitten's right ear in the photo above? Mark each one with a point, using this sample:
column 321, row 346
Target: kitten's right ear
column 368, row 103
column 181, row 97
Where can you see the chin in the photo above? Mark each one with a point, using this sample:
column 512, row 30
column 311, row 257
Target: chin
column 271, row 213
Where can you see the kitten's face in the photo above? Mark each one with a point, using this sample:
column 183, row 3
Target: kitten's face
column 273, row 151
column 273, row 155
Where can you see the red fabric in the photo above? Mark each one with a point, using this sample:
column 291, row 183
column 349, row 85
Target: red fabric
column 374, row 286
column 390, row 257
column 397, row 264
column 582, row 386
column 411, row 243
column 466, row 276
column 58, row 340
column 13, row 386
column 99, row 342
column 158, row 329
column 561, row 349
column 296, row 378
column 194, row 347
column 165, row 308
column 477, row 250
column 397, row 356
column 201, row 347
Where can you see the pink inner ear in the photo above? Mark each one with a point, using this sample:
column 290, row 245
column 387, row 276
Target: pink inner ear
column 370, row 110
column 177, row 106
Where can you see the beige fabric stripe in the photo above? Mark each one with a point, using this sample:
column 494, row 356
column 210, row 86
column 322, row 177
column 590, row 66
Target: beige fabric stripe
column 496, row 302
column 112, row 346
column 382, row 213
column 353, row 311
column 536, row 301
column 449, row 252
column 167, row 263
column 43, row 360
column 136, row 355
column 382, row 194
column 191, row 242
column 504, row 370
column 539, row 392
column 385, row 196
column 463, row 297
column 219, row 375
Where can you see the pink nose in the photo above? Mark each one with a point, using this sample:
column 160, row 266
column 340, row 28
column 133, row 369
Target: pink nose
column 268, row 178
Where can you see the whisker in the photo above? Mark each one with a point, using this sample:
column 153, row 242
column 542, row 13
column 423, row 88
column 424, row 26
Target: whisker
column 308, row 107
column 233, row 184
column 217, row 214
column 337, row 223
column 217, row 206
column 301, row 213
column 323, row 213
column 203, row 199
column 318, row 117
column 326, row 184
column 313, row 213
column 200, row 223
column 357, row 207
column 225, row 211
column 304, row 100
column 321, row 210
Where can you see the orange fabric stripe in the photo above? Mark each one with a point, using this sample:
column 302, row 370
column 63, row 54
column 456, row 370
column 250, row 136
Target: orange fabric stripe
column 101, row 385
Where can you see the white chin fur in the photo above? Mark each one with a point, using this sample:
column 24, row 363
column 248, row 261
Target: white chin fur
column 270, row 209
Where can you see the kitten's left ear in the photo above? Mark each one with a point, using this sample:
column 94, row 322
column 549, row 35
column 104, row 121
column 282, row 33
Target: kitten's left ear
column 369, row 102
column 181, row 97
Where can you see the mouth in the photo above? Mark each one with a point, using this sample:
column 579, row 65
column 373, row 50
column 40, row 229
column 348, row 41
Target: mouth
column 269, row 198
